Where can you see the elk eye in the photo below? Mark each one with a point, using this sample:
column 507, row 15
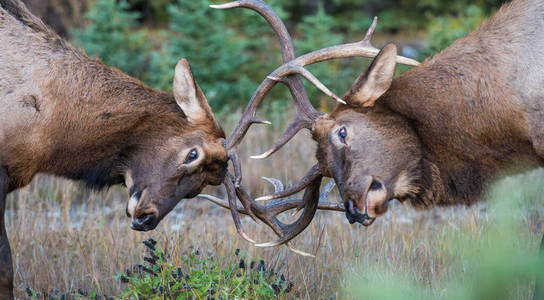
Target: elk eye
column 342, row 134
column 191, row 156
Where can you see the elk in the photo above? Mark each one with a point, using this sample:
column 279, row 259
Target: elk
column 65, row 114
column 436, row 135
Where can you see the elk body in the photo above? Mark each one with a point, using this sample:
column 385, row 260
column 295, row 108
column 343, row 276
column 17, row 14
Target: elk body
column 65, row 114
column 442, row 131
column 436, row 135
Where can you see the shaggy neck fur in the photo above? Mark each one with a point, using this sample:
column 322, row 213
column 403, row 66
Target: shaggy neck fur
column 467, row 110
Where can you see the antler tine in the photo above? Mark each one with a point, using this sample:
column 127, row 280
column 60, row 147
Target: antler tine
column 278, row 185
column 272, row 18
column 370, row 31
column 293, row 69
column 299, row 186
column 294, row 127
column 233, row 156
column 326, row 190
column 221, row 202
column 362, row 48
column 268, row 213
column 237, row 166
column 234, row 207
column 280, row 206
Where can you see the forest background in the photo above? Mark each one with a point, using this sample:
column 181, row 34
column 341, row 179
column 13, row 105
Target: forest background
column 232, row 51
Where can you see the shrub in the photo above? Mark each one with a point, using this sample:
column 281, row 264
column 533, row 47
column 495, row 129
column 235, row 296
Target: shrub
column 201, row 277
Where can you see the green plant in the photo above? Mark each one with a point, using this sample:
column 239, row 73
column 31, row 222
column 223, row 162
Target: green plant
column 200, row 276
column 111, row 35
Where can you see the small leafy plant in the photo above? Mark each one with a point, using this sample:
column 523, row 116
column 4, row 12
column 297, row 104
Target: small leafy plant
column 200, row 277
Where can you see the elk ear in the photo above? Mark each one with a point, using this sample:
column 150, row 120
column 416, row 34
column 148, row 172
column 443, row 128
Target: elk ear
column 377, row 79
column 188, row 94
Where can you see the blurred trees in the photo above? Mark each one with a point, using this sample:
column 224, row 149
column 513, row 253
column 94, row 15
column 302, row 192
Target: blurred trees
column 232, row 51
column 198, row 34
column 111, row 36
column 444, row 30
column 310, row 30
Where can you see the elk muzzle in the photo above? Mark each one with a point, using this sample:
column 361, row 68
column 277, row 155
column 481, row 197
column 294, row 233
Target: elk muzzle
column 144, row 222
column 354, row 215
column 365, row 200
column 141, row 220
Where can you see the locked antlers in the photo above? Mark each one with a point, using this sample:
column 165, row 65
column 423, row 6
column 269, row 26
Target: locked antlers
column 306, row 116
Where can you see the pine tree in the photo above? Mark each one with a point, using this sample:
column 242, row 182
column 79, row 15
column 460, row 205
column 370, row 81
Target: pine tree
column 112, row 36
column 199, row 34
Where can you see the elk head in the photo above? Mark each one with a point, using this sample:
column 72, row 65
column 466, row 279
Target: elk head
column 361, row 145
column 190, row 156
column 367, row 149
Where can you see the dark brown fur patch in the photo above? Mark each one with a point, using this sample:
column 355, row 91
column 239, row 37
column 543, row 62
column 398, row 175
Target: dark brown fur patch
column 31, row 101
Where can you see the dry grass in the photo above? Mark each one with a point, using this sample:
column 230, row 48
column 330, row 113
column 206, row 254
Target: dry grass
column 65, row 237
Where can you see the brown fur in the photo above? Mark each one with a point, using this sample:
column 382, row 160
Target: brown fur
column 68, row 115
column 467, row 116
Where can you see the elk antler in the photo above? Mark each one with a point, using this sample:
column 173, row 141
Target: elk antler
column 304, row 182
column 306, row 113
column 311, row 201
column 306, row 116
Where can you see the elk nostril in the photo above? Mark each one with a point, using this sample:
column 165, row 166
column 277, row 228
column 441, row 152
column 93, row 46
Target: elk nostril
column 146, row 219
column 144, row 222
column 375, row 185
column 352, row 214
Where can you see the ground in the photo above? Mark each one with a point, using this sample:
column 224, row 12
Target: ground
column 68, row 238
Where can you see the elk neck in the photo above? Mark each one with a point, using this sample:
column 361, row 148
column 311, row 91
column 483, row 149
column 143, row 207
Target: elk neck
column 466, row 107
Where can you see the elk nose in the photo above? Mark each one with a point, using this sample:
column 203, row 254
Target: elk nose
column 354, row 215
column 144, row 222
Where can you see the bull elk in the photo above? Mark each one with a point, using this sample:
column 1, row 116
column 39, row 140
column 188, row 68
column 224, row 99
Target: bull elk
column 65, row 114
column 436, row 135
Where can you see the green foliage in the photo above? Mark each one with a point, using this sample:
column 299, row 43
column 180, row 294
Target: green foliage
column 444, row 30
column 112, row 36
column 232, row 51
column 497, row 261
column 217, row 56
column 394, row 15
column 201, row 277
column 311, row 31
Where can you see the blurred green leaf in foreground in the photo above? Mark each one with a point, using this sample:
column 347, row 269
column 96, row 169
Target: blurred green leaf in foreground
column 495, row 261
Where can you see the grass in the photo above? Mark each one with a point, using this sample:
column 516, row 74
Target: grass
column 66, row 239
